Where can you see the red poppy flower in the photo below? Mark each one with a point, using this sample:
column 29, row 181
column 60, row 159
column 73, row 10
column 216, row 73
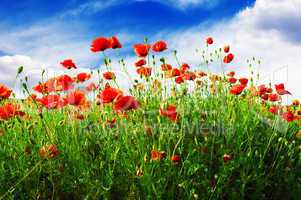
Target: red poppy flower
column 231, row 74
column 158, row 155
column 114, row 43
column 201, row 74
column 274, row 97
column 243, row 81
column 141, row 50
column 91, row 87
column 68, row 64
column 190, row 76
column 176, row 158
column 170, row 112
column 159, row 46
column 125, row 103
column 262, row 90
column 140, row 63
column 227, row 158
column 52, row 101
column 265, row 96
column 184, row 67
column 109, row 94
column 226, row 49
column 144, row 71
column 166, row 67
column 9, row 110
column 232, row 80
column 289, row 116
column 237, row 89
column 82, row 77
column 280, row 89
column 48, row 151
column 209, row 41
column 5, row 92
column 76, row 98
column 173, row 73
column 109, row 75
column 63, row 83
column 228, row 58
column 179, row 80
column 274, row 110
column 100, row 44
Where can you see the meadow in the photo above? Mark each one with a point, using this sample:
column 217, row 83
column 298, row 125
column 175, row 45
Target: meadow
column 179, row 132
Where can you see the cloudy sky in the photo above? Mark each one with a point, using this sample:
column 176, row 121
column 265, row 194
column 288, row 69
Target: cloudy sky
column 39, row 34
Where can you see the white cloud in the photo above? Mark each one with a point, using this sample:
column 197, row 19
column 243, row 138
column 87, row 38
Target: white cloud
column 268, row 31
column 248, row 37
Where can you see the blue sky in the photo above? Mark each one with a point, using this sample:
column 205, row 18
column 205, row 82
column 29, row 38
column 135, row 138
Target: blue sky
column 109, row 17
column 40, row 33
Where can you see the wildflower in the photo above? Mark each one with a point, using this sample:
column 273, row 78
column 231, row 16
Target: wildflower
column 179, row 79
column 141, row 50
column 82, row 77
column 201, row 74
column 9, row 110
column 52, row 101
column 158, row 155
column 125, row 103
column 166, row 67
column 5, row 92
column 68, row 64
column 109, row 94
column 228, row 58
column 100, row 44
column 140, row 63
column 237, row 89
column 170, row 112
column 48, row 151
column 159, row 46
column 109, row 75
column 232, row 80
column 209, row 41
column 274, row 110
column 173, row 73
column 144, row 71
column 265, row 97
column 226, row 49
column 243, row 81
column 190, row 76
column 76, row 98
column 114, row 43
column 227, row 158
column 91, row 87
column 280, row 89
column 63, row 83
column 231, row 74
column 184, row 67
column 274, row 97
column 289, row 116
column 176, row 159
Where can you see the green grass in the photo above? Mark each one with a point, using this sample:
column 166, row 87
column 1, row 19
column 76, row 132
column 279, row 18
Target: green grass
column 97, row 160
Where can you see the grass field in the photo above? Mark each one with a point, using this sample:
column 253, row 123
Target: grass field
column 177, row 133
